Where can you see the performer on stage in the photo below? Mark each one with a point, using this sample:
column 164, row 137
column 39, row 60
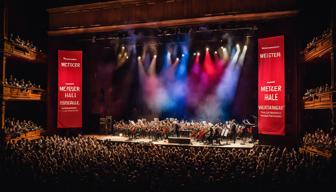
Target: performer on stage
column 210, row 137
column 253, row 126
column 177, row 129
column 234, row 131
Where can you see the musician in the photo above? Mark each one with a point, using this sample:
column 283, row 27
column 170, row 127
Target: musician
column 166, row 131
column 244, row 133
column 217, row 135
column 211, row 135
column 253, row 127
column 234, row 131
column 177, row 129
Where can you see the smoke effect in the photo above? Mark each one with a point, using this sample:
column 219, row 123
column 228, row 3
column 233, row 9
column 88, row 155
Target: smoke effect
column 182, row 77
column 206, row 90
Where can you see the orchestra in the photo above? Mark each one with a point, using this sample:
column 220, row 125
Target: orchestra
column 201, row 131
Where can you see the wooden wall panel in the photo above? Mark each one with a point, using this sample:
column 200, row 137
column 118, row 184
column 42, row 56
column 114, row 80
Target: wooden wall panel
column 121, row 12
column 155, row 11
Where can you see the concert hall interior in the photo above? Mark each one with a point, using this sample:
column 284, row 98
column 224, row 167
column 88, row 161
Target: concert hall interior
column 167, row 95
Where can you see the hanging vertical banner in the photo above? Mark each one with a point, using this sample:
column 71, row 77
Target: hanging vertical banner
column 69, row 113
column 271, row 86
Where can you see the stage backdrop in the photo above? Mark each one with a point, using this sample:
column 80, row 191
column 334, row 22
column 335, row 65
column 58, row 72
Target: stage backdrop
column 69, row 114
column 271, row 86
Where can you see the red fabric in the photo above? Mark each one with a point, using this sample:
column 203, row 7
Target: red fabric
column 69, row 114
column 271, row 86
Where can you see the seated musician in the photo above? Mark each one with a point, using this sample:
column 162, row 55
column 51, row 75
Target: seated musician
column 234, row 131
column 210, row 135
column 177, row 129
column 216, row 136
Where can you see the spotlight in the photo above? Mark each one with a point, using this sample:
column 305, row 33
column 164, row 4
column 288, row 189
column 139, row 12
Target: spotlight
column 245, row 46
column 198, row 53
column 125, row 54
column 177, row 59
column 222, row 47
column 139, row 58
column 182, row 55
column 237, row 45
column 120, row 135
column 126, row 57
column 155, row 56
column 215, row 52
column 194, row 54
column 123, row 47
column 207, row 49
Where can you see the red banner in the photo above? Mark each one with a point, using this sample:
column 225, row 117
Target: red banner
column 271, row 86
column 69, row 114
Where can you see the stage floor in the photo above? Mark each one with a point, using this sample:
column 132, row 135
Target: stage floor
column 229, row 144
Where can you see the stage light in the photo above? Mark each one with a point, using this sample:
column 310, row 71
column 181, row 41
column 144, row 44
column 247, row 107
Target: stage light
column 126, row 57
column 215, row 52
column 222, row 47
column 195, row 54
column 182, row 55
column 123, row 47
column 177, row 59
column 207, row 49
column 245, row 46
column 155, row 56
column 198, row 53
column 237, row 45
column 139, row 58
column 125, row 54
column 120, row 135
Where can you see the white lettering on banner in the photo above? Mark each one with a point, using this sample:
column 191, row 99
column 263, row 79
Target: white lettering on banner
column 69, row 64
column 69, row 103
column 270, row 107
column 69, row 88
column 70, row 95
column 270, row 55
column 69, row 59
column 276, row 88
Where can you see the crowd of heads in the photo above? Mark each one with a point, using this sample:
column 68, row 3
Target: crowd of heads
column 22, row 84
column 199, row 130
column 320, row 140
column 313, row 43
column 310, row 93
column 17, row 40
column 15, row 128
column 87, row 164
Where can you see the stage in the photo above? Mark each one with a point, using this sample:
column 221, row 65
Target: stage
column 223, row 144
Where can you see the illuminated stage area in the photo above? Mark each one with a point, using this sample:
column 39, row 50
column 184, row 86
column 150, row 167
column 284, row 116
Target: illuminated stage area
column 223, row 144
column 170, row 131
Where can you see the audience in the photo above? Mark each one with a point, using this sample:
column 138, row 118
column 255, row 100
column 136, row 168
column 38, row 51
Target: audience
column 23, row 43
column 312, row 44
column 320, row 140
column 87, row 164
column 310, row 94
column 15, row 128
column 22, row 84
